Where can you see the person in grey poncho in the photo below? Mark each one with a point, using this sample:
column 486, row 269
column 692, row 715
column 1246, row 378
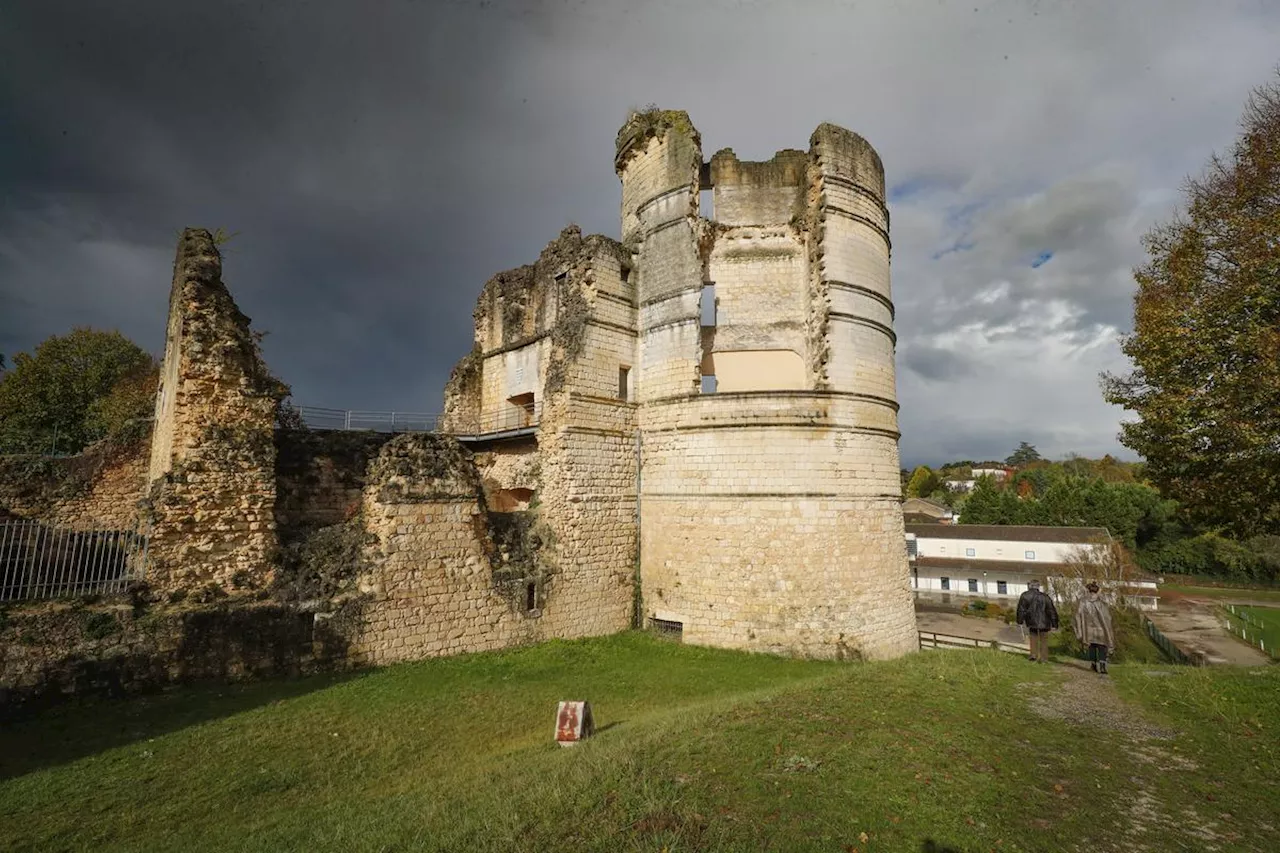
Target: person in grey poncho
column 1092, row 624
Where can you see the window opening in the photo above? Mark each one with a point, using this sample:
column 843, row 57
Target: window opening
column 1002, row 587
column 522, row 413
column 1030, row 555
column 707, row 203
column 946, row 583
column 969, row 552
column 707, row 303
column 624, row 377
column 531, row 596
column 668, row 628
column 973, row 584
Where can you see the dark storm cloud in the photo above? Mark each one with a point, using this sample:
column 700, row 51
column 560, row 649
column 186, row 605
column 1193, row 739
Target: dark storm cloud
column 362, row 153
column 381, row 160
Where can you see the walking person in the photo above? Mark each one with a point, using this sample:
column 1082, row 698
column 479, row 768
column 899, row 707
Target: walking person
column 1092, row 624
column 1038, row 615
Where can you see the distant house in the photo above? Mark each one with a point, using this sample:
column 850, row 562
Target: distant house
column 997, row 560
column 925, row 511
column 997, row 473
column 960, row 485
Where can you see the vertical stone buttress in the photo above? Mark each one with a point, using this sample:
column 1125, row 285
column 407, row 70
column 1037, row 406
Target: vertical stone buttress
column 770, row 513
column 212, row 473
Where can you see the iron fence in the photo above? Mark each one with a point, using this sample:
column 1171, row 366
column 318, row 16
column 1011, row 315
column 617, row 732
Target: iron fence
column 510, row 417
column 39, row 560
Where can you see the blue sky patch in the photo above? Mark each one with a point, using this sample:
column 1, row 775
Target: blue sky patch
column 1041, row 259
column 958, row 246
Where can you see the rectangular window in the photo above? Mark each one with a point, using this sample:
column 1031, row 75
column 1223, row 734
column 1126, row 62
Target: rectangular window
column 1002, row 588
column 626, row 276
column 973, row 584
column 969, row 552
column 624, row 380
column 1030, row 555
column 946, row 583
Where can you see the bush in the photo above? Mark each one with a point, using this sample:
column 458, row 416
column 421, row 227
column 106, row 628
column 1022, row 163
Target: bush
column 1257, row 559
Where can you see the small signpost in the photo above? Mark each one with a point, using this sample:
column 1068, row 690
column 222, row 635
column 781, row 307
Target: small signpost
column 573, row 723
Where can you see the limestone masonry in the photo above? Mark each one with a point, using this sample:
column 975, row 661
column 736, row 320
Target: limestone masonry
column 693, row 429
column 711, row 400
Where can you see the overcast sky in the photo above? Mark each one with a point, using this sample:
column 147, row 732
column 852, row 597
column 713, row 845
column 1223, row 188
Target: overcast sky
column 380, row 160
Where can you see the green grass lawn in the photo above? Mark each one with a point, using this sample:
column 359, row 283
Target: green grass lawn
column 1258, row 623
column 698, row 750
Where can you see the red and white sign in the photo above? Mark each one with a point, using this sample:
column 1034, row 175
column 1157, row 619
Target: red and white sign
column 573, row 722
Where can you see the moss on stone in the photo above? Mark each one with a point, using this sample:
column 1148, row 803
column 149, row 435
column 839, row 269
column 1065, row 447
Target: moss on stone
column 324, row 564
column 423, row 466
column 652, row 121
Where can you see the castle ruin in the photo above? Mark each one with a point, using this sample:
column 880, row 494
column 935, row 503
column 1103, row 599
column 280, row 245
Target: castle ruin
column 693, row 428
column 714, row 398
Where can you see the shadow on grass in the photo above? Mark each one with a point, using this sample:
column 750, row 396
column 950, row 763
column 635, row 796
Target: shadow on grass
column 72, row 731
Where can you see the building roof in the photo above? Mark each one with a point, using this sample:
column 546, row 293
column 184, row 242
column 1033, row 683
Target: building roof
column 926, row 502
column 1031, row 568
column 1009, row 533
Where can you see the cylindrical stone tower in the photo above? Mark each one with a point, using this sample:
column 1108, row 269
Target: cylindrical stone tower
column 770, row 506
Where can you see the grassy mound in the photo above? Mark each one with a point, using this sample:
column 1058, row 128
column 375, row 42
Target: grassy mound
column 698, row 750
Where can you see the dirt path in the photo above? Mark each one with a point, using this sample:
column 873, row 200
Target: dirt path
column 1195, row 628
column 1087, row 699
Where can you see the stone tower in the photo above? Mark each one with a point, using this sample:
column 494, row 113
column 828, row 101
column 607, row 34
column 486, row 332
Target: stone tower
column 770, row 505
column 702, row 417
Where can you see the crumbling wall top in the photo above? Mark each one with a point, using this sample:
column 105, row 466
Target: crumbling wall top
column 845, row 152
column 651, row 121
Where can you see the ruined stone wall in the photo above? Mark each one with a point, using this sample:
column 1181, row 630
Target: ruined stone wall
column 212, row 497
column 769, row 193
column 100, row 487
column 53, row 651
column 320, row 478
column 434, row 584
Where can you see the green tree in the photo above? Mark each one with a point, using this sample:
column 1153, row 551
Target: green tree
column 1206, row 340
column 1024, row 454
column 923, row 482
column 72, row 390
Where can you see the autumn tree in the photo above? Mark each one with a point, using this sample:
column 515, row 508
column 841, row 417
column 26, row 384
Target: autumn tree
column 1206, row 340
column 923, row 482
column 73, row 389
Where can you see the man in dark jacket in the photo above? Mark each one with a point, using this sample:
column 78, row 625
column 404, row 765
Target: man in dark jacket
column 1037, row 613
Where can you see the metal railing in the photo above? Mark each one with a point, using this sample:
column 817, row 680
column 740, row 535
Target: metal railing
column 39, row 560
column 936, row 640
column 510, row 417
column 314, row 417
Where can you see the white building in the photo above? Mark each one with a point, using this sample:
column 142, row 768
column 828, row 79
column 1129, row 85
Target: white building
column 995, row 473
column 996, row 561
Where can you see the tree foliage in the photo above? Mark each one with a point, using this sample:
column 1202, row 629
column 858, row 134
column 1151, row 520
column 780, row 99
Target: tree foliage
column 923, row 482
column 74, row 389
column 1206, row 341
column 1025, row 454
